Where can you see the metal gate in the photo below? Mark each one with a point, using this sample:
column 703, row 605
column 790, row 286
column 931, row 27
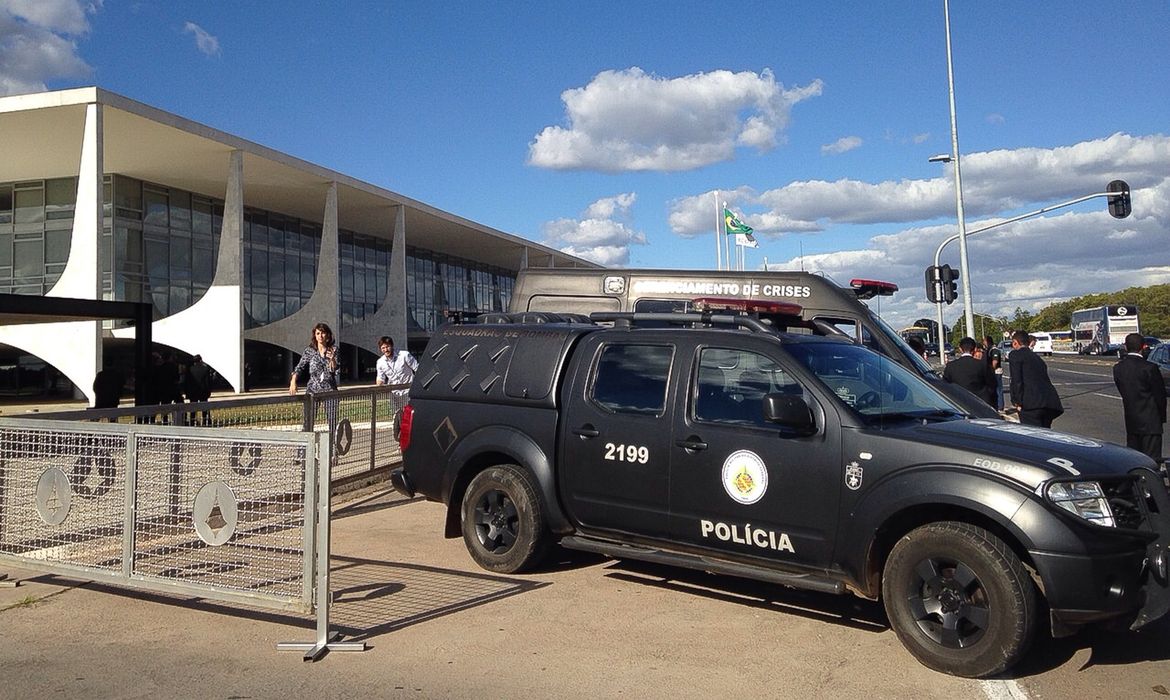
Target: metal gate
column 233, row 515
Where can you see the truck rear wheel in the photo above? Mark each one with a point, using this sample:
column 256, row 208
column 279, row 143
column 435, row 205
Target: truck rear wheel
column 959, row 599
column 503, row 524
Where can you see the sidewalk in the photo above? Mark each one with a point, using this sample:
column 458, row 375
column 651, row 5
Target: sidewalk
column 65, row 637
column 437, row 626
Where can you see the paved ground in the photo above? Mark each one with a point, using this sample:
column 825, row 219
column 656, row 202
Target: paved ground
column 438, row 626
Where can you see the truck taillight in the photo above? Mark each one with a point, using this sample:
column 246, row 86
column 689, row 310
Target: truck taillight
column 405, row 423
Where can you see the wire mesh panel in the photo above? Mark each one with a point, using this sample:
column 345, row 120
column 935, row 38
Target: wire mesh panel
column 227, row 514
column 224, row 514
column 361, row 428
column 62, row 496
column 359, row 421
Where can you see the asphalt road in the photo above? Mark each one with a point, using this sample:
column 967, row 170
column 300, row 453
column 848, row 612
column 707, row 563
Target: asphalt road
column 581, row 627
column 1092, row 406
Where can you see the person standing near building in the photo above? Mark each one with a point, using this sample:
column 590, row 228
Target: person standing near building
column 1143, row 397
column 198, row 385
column 1032, row 392
column 107, row 387
column 319, row 361
column 971, row 373
column 395, row 366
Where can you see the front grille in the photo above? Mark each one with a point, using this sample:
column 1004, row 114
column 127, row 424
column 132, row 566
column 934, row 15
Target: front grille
column 1129, row 502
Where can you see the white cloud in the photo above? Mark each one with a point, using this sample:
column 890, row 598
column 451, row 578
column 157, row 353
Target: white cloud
column 1028, row 264
column 37, row 42
column 995, row 118
column 993, row 182
column 206, row 43
column 1031, row 264
column 630, row 121
column 597, row 235
column 841, row 145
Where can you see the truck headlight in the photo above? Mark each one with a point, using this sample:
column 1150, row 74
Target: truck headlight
column 1084, row 499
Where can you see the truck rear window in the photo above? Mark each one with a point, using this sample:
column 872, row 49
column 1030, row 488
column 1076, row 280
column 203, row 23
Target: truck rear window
column 633, row 378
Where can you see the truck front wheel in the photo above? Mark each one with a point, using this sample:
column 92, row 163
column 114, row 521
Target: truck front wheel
column 959, row 599
column 503, row 524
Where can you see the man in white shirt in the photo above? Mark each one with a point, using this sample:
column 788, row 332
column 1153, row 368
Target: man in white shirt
column 395, row 367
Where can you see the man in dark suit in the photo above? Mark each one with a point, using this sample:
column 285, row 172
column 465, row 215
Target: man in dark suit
column 1032, row 392
column 970, row 373
column 1143, row 396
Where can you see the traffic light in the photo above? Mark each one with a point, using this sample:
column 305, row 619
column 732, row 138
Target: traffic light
column 1119, row 204
column 932, row 284
column 947, row 277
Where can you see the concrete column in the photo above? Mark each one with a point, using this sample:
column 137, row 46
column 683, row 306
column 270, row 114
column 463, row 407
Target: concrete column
column 329, row 267
column 396, row 287
column 292, row 332
column 75, row 347
column 221, row 308
column 390, row 318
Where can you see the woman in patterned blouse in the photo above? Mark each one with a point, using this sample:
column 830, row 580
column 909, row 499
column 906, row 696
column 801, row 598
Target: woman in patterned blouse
column 319, row 360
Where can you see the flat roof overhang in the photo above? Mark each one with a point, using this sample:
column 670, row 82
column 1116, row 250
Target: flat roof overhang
column 41, row 134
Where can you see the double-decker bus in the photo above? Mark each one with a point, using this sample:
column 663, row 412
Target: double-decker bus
column 1101, row 330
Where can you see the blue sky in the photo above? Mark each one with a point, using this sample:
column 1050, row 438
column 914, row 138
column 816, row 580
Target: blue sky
column 602, row 128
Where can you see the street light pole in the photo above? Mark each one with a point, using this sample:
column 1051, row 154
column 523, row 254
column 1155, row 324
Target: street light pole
column 964, row 268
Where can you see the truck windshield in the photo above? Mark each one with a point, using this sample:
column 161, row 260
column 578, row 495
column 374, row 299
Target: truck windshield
column 870, row 383
column 919, row 363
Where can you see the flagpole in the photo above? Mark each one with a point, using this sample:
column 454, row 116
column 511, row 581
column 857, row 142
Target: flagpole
column 718, row 220
column 723, row 238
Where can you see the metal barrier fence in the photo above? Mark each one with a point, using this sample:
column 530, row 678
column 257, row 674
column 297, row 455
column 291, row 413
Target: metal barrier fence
column 360, row 421
column 173, row 509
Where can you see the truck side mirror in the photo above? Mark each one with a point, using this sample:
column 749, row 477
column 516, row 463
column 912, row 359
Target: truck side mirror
column 789, row 411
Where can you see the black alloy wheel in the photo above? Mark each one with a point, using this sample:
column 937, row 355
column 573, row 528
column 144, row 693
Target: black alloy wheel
column 959, row 599
column 502, row 520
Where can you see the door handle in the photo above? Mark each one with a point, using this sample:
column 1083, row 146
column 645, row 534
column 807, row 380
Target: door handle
column 692, row 443
column 587, row 431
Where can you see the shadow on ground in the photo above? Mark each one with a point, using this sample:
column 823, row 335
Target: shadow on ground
column 359, row 503
column 844, row 610
column 1107, row 645
column 370, row 598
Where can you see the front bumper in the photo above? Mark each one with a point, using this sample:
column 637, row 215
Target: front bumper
column 1132, row 583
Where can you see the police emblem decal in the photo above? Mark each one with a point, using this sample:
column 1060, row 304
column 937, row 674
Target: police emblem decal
column 745, row 478
column 853, row 474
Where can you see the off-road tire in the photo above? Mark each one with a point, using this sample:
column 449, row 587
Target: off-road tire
column 502, row 520
column 959, row 599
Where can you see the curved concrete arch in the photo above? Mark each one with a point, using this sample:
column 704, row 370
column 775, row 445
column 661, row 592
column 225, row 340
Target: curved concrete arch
column 291, row 331
column 75, row 347
column 390, row 318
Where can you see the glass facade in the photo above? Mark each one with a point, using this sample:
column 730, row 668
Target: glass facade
column 437, row 283
column 280, row 265
column 160, row 244
column 36, row 222
column 365, row 274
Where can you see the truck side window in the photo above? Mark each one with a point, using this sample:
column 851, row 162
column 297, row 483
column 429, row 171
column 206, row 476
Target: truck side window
column 730, row 386
column 633, row 378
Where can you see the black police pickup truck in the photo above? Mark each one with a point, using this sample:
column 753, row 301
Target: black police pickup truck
column 713, row 442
